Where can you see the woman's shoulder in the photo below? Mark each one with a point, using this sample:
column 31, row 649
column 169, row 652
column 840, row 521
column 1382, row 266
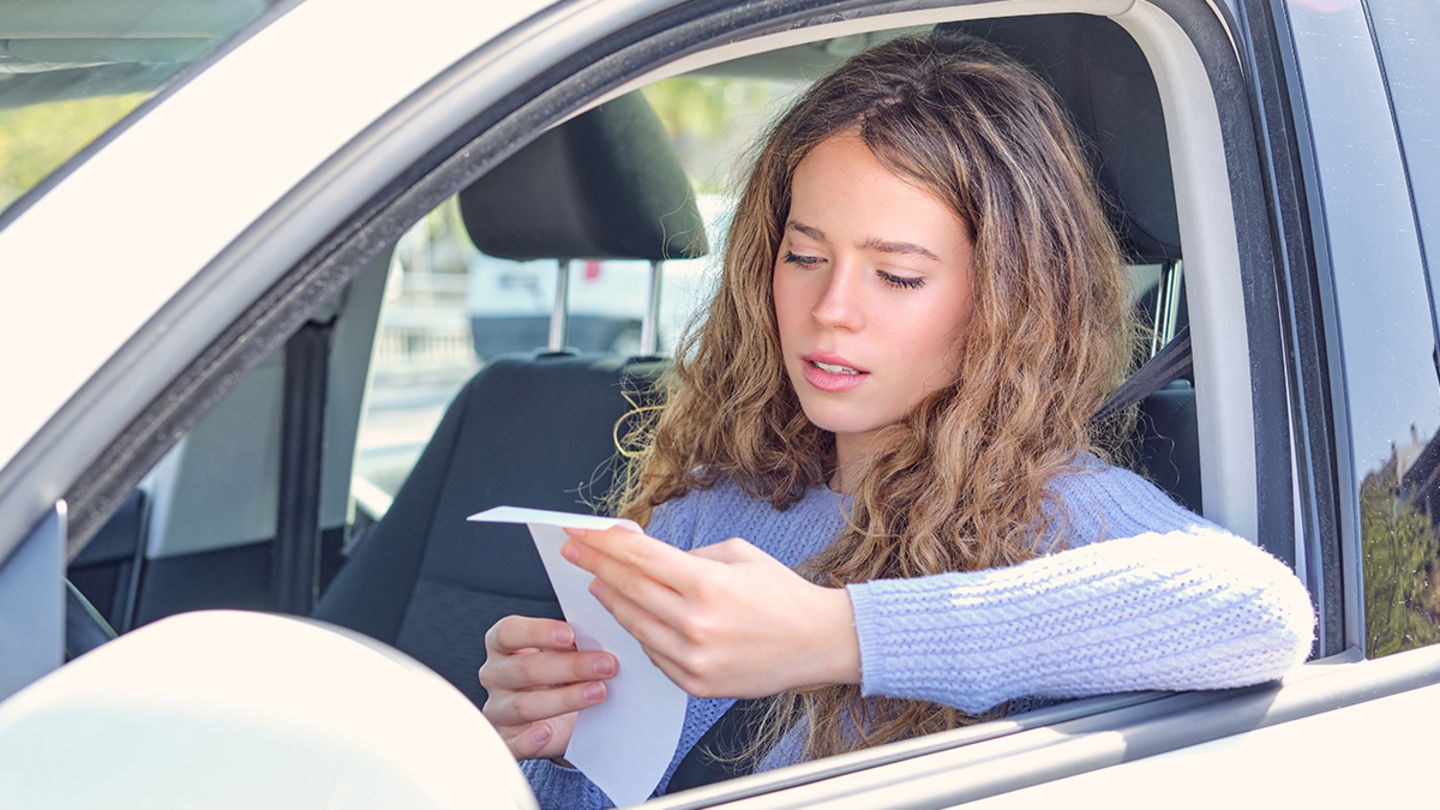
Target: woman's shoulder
column 1101, row 501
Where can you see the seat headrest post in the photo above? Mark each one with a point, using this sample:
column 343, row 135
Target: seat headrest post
column 650, row 325
column 559, row 316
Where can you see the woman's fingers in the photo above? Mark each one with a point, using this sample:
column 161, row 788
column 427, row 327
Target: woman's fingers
column 612, row 550
column 515, row 633
column 650, row 630
column 734, row 550
column 515, row 708
column 533, row 741
column 541, row 669
column 655, row 598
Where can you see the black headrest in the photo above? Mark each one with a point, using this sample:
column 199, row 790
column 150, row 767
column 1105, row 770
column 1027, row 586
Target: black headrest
column 606, row 184
column 1101, row 75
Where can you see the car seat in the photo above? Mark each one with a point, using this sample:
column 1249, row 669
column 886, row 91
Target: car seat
column 1102, row 78
column 532, row 429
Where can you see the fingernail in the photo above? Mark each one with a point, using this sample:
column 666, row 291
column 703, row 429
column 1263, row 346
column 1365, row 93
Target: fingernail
column 541, row 734
column 593, row 692
column 569, row 552
column 564, row 635
column 605, row 666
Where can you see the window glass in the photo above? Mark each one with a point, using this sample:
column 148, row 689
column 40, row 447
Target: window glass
column 1386, row 327
column 1408, row 34
column 69, row 71
column 1400, row 503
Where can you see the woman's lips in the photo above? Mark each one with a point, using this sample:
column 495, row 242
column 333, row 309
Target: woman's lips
column 831, row 374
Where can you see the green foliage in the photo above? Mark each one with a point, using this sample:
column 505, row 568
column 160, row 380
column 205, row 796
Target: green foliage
column 1401, row 550
column 38, row 139
column 714, row 119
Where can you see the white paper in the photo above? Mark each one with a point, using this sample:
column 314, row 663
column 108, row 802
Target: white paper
column 624, row 744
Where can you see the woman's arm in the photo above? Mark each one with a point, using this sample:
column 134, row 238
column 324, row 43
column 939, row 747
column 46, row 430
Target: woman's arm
column 1181, row 604
column 1198, row 609
column 1167, row 601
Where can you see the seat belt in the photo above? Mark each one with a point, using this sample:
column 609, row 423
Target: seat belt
column 1169, row 364
column 736, row 726
column 85, row 628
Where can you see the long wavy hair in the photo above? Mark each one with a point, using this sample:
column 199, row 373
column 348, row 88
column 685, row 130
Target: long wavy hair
column 960, row 484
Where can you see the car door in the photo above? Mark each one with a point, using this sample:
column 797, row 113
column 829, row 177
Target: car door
column 432, row 117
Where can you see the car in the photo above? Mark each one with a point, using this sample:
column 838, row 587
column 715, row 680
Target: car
column 199, row 318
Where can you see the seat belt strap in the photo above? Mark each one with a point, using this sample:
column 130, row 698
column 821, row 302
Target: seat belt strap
column 727, row 737
column 1169, row 364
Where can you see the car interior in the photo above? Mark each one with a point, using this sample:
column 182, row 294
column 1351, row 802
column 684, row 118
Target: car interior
column 255, row 507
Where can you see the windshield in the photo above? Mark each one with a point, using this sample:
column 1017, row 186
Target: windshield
column 72, row 69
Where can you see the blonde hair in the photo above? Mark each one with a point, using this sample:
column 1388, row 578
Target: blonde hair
column 961, row 483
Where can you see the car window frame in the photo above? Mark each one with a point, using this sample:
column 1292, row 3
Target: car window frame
column 520, row 114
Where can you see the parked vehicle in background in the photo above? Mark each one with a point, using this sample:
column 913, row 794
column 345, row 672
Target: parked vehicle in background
column 510, row 302
column 195, row 336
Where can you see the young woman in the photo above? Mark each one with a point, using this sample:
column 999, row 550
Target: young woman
column 890, row 400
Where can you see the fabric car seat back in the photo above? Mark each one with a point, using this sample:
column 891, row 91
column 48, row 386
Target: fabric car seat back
column 532, row 430
column 528, row 430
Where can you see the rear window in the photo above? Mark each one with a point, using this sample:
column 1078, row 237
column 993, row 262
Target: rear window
column 70, row 71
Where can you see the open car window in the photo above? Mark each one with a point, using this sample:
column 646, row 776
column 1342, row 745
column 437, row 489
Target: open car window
column 449, row 308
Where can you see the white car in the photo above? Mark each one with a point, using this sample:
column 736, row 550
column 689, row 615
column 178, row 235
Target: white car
column 189, row 315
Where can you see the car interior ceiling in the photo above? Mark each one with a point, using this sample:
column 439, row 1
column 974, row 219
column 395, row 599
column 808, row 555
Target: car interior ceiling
column 537, row 429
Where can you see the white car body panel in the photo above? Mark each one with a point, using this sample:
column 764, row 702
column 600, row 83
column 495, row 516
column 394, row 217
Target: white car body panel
column 1266, row 767
column 371, row 54
column 245, row 710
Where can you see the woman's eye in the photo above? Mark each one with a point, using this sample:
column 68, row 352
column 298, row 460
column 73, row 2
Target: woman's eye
column 804, row 261
column 903, row 282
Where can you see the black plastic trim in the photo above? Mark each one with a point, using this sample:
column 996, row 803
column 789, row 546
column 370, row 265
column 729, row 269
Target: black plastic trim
column 1329, row 397
column 1280, row 126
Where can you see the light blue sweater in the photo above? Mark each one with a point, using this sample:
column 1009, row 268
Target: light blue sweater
column 1170, row 601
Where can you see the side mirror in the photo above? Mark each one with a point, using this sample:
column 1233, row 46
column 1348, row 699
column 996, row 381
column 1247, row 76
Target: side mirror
column 237, row 709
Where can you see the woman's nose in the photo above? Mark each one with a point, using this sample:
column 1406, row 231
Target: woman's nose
column 839, row 306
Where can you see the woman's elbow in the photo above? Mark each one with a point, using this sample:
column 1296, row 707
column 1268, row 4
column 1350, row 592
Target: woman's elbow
column 1276, row 625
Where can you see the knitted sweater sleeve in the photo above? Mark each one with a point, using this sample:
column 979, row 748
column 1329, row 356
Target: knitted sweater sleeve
column 1166, row 601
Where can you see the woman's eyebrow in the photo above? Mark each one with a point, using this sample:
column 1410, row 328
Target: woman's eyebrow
column 809, row 230
column 873, row 243
column 908, row 248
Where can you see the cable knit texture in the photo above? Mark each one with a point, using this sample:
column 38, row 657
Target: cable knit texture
column 1169, row 601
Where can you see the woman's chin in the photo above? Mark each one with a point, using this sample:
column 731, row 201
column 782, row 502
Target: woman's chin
column 841, row 424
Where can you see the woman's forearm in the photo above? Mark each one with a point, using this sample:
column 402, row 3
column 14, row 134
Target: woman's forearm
column 1195, row 609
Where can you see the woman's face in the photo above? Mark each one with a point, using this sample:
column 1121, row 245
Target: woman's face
column 872, row 290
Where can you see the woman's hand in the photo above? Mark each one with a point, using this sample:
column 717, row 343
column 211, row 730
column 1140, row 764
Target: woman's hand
column 537, row 682
column 726, row 620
